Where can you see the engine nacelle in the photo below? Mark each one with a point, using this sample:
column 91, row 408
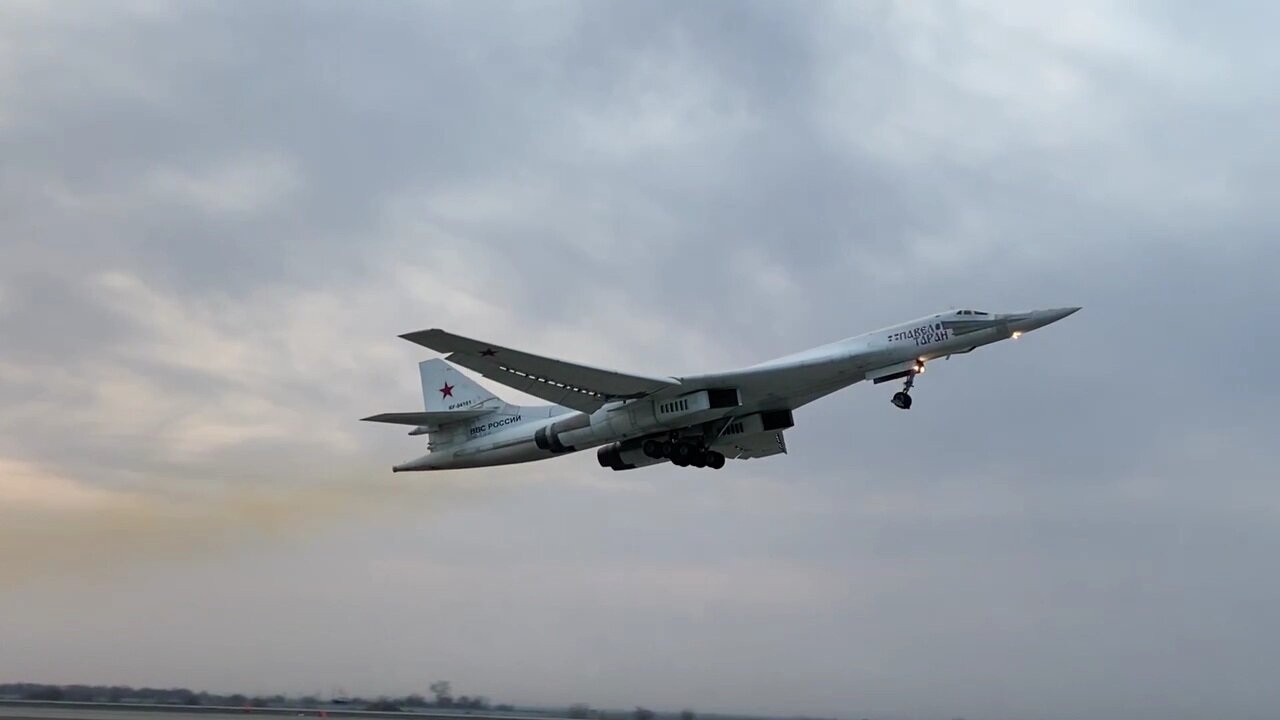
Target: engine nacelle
column 625, row 455
column 548, row 437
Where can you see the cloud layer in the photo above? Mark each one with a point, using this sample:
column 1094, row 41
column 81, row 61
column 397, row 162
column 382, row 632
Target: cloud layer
column 215, row 219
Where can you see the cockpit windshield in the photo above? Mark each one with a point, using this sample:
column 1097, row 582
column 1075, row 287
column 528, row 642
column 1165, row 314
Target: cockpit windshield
column 970, row 312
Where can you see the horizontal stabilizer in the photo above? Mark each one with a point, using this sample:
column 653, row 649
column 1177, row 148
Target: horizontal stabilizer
column 427, row 419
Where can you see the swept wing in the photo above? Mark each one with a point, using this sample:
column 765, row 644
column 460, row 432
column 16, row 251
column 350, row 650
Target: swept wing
column 581, row 387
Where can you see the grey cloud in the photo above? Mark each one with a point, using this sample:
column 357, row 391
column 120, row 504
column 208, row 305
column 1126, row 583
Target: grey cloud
column 1070, row 525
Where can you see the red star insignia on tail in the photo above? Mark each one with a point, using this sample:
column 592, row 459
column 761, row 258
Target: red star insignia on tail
column 446, row 391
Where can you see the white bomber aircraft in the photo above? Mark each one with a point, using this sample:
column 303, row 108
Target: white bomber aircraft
column 638, row 420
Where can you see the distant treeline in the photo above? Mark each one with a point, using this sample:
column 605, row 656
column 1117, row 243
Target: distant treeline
column 442, row 697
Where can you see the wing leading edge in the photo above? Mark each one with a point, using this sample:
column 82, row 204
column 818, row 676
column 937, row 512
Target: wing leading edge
column 580, row 387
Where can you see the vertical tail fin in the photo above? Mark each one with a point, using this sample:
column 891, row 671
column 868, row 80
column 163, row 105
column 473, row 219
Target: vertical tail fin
column 445, row 388
column 452, row 402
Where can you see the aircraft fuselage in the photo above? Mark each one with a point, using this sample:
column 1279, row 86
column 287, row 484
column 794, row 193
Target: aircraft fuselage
column 709, row 410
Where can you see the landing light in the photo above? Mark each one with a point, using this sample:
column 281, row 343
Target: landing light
column 1017, row 334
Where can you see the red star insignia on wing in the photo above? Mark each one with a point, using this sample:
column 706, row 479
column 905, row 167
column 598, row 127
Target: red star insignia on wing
column 446, row 391
column 488, row 352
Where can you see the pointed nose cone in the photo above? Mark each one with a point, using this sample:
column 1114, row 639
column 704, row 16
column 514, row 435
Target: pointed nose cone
column 1026, row 322
column 1056, row 314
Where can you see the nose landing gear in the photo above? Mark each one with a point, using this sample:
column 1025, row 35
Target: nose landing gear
column 902, row 399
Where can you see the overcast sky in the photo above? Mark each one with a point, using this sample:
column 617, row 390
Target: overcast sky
column 216, row 218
